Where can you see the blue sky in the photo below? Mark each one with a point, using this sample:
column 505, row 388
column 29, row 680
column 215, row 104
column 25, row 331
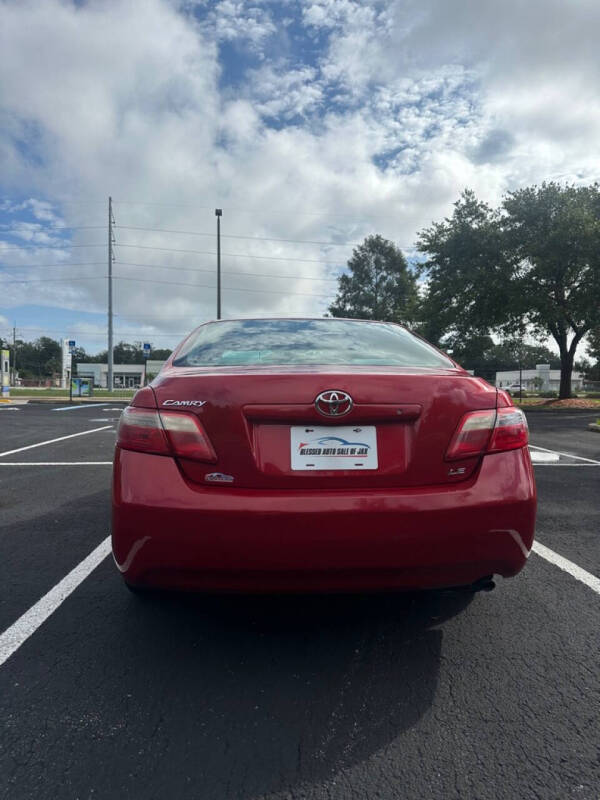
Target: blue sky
column 314, row 123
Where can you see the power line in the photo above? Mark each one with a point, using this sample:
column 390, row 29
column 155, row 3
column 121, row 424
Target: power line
column 61, row 264
column 239, row 209
column 226, row 272
column 166, row 267
column 23, row 226
column 231, row 255
column 165, row 283
column 100, row 332
column 52, row 280
column 46, row 247
column 236, row 236
column 228, row 288
column 126, row 315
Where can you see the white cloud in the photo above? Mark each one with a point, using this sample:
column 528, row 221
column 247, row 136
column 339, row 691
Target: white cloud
column 239, row 20
column 286, row 93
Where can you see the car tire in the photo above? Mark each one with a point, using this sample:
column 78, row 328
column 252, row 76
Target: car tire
column 138, row 591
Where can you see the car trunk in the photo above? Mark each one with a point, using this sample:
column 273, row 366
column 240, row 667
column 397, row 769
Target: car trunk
column 255, row 417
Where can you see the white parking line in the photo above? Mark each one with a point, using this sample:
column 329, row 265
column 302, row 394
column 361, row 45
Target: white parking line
column 31, row 620
column 567, row 455
column 58, row 439
column 79, row 405
column 568, row 566
column 26, row 625
column 52, row 463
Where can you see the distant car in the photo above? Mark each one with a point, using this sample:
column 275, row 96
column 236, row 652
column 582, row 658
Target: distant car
column 300, row 455
column 515, row 389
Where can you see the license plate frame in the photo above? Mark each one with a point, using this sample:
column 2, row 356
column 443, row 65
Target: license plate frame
column 338, row 448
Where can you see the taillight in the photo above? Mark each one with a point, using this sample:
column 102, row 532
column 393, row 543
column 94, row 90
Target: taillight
column 491, row 431
column 472, row 435
column 167, row 434
column 140, row 429
column 511, row 430
column 187, row 437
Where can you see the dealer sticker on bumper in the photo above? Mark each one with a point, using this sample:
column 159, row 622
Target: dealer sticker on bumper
column 328, row 447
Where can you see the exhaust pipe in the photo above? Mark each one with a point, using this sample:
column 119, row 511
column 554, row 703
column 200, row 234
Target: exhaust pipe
column 485, row 584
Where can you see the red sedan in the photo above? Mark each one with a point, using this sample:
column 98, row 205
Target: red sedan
column 285, row 455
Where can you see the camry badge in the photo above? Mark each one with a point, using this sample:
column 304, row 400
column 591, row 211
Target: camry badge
column 333, row 403
column 196, row 403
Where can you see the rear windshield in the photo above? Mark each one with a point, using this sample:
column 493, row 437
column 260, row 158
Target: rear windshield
column 310, row 341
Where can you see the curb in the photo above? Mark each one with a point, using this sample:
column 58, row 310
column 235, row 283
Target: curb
column 76, row 402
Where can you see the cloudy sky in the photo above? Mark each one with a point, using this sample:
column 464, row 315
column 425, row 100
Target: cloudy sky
column 311, row 124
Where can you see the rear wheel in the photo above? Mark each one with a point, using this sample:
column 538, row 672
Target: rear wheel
column 139, row 591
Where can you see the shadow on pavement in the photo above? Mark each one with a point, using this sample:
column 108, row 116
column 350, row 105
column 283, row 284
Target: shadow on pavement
column 259, row 694
column 183, row 696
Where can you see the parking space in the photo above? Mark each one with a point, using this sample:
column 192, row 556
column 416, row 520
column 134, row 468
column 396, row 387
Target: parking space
column 55, row 510
column 435, row 695
column 569, row 489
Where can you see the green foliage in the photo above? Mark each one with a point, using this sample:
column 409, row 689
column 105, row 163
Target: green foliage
column 43, row 357
column 555, row 233
column 532, row 264
column 160, row 353
column 39, row 359
column 593, row 349
column 481, row 354
column 379, row 286
column 468, row 272
column 127, row 353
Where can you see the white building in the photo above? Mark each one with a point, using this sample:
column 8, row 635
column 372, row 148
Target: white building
column 541, row 378
column 125, row 376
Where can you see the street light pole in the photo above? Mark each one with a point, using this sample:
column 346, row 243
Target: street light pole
column 14, row 366
column 110, row 296
column 218, row 215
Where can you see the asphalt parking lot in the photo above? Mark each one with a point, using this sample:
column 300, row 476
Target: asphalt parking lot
column 436, row 695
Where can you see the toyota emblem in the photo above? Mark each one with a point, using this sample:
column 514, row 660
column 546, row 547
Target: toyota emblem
column 333, row 403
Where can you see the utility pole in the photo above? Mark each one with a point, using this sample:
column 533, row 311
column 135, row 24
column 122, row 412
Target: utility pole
column 110, row 295
column 218, row 215
column 14, row 358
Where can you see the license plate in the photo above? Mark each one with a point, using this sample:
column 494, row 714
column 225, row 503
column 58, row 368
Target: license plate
column 325, row 447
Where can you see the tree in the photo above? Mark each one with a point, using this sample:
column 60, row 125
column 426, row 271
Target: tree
column 467, row 271
column 160, row 354
column 40, row 358
column 485, row 357
column 127, row 353
column 123, row 353
column 379, row 286
column 513, row 351
column 533, row 264
column 593, row 349
column 555, row 233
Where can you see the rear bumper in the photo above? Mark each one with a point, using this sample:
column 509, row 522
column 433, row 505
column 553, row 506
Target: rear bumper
column 167, row 533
